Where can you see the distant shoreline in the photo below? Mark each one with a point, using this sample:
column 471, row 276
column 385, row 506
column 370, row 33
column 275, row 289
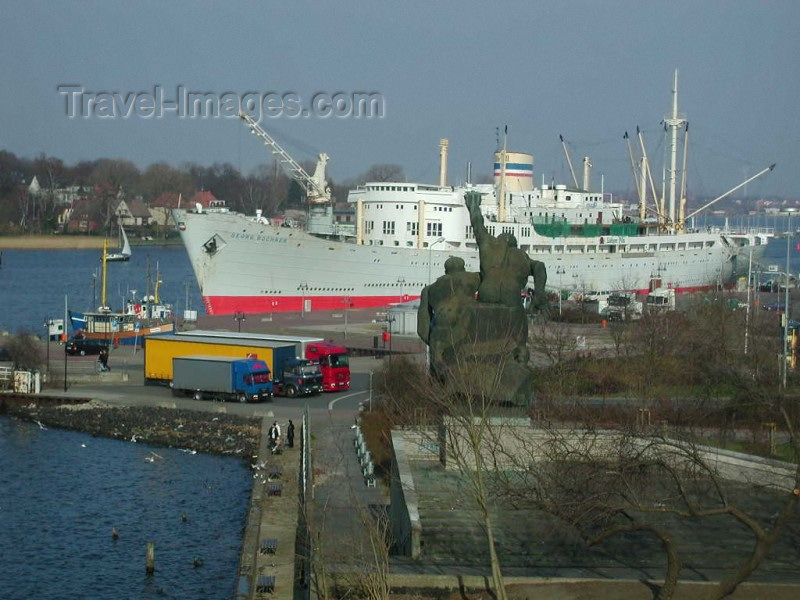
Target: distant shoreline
column 64, row 242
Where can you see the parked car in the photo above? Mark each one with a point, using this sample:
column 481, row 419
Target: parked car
column 769, row 286
column 83, row 346
column 776, row 306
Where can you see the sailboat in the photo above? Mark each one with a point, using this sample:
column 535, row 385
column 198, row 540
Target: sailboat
column 125, row 252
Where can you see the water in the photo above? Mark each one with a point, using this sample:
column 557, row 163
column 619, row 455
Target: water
column 62, row 493
column 33, row 283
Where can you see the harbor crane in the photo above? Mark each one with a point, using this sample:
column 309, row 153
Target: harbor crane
column 316, row 188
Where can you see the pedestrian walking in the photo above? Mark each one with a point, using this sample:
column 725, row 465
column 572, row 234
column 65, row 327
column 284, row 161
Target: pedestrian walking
column 103, row 360
column 290, row 434
column 274, row 435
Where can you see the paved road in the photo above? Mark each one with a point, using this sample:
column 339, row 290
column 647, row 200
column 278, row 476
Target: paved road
column 133, row 392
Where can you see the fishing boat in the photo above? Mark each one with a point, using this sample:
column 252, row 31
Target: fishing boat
column 140, row 317
column 403, row 232
column 124, row 253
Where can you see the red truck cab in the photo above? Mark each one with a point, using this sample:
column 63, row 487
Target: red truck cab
column 334, row 364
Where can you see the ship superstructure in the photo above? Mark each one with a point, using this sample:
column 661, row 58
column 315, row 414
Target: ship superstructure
column 403, row 233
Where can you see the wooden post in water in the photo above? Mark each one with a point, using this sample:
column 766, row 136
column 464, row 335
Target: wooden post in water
column 151, row 558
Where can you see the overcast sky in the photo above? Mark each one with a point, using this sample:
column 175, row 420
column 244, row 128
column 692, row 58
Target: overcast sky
column 589, row 70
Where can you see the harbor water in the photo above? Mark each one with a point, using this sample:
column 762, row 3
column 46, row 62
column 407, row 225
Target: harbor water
column 34, row 283
column 62, row 493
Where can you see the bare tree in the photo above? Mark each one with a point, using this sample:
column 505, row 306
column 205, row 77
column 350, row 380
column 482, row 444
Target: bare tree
column 116, row 174
column 161, row 178
column 382, row 172
column 609, row 482
column 463, row 399
column 24, row 350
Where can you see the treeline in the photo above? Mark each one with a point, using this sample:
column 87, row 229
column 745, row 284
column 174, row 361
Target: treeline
column 98, row 183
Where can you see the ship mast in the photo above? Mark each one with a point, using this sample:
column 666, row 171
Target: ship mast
column 673, row 123
column 103, row 294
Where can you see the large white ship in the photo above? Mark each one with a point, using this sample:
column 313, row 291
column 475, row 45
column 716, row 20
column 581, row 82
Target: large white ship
column 404, row 232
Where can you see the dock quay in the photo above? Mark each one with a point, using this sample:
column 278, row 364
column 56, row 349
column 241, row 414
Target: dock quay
column 267, row 563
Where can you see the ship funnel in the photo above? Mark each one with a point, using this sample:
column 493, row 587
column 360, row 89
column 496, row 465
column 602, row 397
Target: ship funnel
column 443, row 162
column 517, row 168
column 587, row 172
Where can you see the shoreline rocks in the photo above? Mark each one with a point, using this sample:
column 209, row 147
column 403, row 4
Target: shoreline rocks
column 210, row 433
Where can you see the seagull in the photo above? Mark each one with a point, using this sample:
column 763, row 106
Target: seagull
column 153, row 456
column 83, row 445
column 39, row 423
column 133, row 438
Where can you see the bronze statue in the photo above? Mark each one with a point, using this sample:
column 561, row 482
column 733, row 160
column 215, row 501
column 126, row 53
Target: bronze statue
column 468, row 318
column 504, row 267
column 444, row 320
column 504, row 273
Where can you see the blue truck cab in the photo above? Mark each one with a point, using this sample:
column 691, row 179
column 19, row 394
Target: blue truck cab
column 298, row 377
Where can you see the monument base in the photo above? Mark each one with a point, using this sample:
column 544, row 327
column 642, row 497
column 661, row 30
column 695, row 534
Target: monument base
column 491, row 358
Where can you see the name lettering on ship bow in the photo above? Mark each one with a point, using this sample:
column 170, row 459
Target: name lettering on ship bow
column 259, row 238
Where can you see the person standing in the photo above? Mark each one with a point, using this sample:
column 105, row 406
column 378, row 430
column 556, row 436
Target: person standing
column 103, row 359
column 274, row 434
column 290, row 434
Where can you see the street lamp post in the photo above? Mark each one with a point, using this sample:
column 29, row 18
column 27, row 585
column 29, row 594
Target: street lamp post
column 389, row 321
column 402, row 281
column 785, row 350
column 66, row 316
column 94, row 292
column 347, row 304
column 47, row 324
column 370, row 391
column 786, row 304
column 559, row 271
column 303, row 288
column 430, row 255
column 238, row 316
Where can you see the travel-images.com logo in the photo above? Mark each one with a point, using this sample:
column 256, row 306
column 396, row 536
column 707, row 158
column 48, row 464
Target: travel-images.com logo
column 187, row 104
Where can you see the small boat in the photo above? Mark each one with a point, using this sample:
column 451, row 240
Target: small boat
column 125, row 252
column 129, row 326
column 118, row 328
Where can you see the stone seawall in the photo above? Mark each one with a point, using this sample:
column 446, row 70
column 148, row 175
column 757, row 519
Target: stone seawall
column 211, row 433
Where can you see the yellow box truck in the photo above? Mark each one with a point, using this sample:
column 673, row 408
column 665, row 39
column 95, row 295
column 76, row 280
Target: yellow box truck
column 159, row 351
